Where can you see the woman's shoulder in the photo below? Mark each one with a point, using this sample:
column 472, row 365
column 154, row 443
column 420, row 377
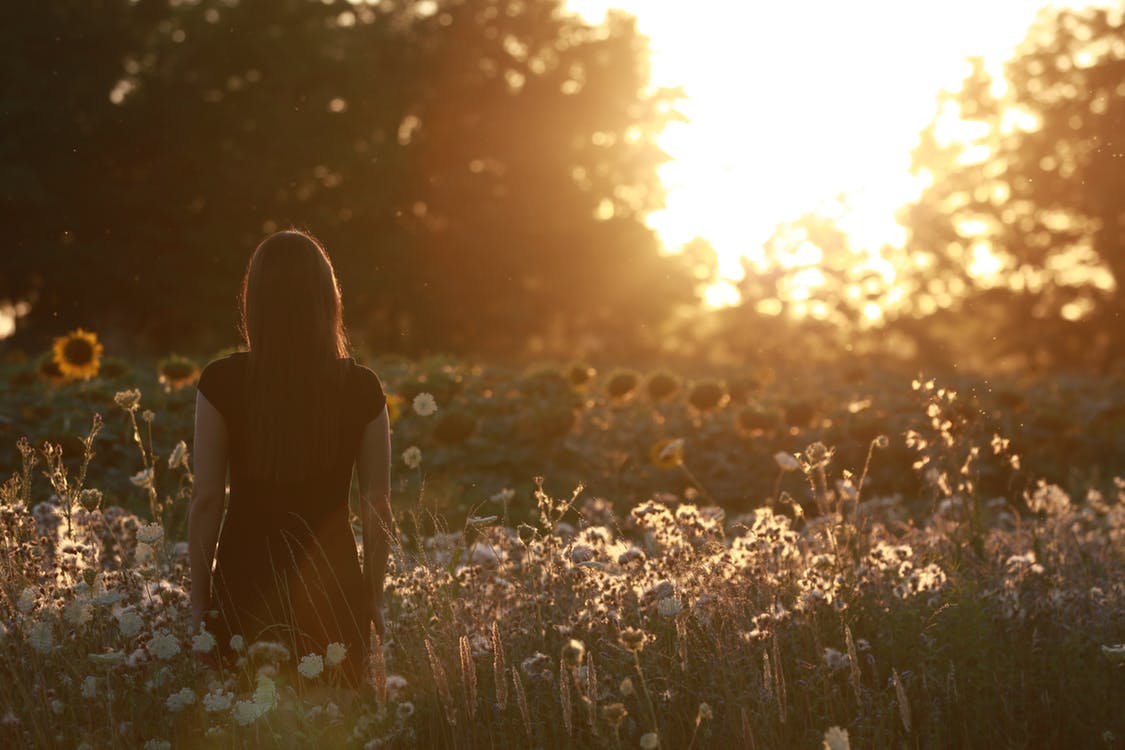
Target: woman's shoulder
column 366, row 388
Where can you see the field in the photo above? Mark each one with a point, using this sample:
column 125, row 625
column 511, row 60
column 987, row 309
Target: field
column 610, row 558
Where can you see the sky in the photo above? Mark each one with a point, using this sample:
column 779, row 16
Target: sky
column 794, row 103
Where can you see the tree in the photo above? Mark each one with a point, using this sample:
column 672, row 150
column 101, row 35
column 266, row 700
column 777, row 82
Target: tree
column 1026, row 207
column 480, row 171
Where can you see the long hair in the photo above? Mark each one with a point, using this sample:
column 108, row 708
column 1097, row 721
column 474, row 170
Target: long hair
column 291, row 319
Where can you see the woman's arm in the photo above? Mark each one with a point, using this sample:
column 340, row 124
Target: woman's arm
column 373, row 465
column 208, row 494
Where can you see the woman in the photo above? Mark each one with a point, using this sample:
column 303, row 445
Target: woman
column 289, row 418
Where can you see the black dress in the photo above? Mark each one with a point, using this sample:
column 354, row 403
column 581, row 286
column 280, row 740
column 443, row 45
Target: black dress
column 286, row 565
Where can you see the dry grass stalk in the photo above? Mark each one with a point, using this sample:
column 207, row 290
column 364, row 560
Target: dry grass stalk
column 468, row 675
column 565, row 679
column 521, row 700
column 903, row 701
column 499, row 672
column 853, row 661
column 378, row 670
column 592, row 690
column 779, row 680
column 747, row 729
column 442, row 683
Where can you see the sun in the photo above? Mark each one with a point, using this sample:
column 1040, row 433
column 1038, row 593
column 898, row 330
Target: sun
column 793, row 105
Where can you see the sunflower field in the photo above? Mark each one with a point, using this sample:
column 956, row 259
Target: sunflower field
column 597, row 557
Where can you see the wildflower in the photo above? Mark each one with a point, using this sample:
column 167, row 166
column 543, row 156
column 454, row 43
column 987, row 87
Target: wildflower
column 573, row 652
column 424, row 405
column 77, row 612
column 650, row 741
column 394, row 408
column 129, row 622
column 155, row 744
column 28, row 597
column 786, row 461
column 311, row 665
column 404, row 710
column 269, row 651
column 147, row 415
column 706, row 713
column 150, row 533
column 57, row 707
column 179, row 455
column 202, row 643
column 77, row 353
column 237, row 643
column 108, row 659
column 217, row 700
column 504, row 496
column 180, row 700
column 142, row 478
column 626, row 686
column 667, row 453
column 245, row 712
column 163, row 645
column 176, row 372
column 90, row 687
column 633, row 640
column 412, row 457
column 265, row 694
column 90, row 499
column 128, row 400
column 836, row 739
column 335, row 653
column 614, row 714
column 41, row 638
column 670, row 606
column 835, row 659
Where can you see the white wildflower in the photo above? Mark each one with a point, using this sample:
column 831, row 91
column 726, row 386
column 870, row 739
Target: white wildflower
column 179, row 700
column 77, row 612
column 786, row 461
column 41, row 637
column 335, row 653
column 669, row 606
column 265, row 694
column 424, row 404
column 217, row 700
column 237, row 643
column 650, row 741
column 129, row 622
column 150, row 533
column 142, row 478
column 203, row 642
column 28, row 597
column 404, row 710
column 311, row 665
column 163, row 645
column 90, row 687
column 412, row 457
column 246, row 712
column 179, row 455
column 836, row 739
column 57, row 707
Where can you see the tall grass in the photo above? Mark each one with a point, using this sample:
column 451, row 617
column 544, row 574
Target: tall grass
column 954, row 620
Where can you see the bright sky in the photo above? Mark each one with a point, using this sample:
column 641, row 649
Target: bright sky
column 792, row 103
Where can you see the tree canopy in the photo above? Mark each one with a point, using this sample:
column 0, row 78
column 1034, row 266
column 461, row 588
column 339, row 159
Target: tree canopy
column 479, row 171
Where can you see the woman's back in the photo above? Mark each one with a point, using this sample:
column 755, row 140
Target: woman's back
column 286, row 566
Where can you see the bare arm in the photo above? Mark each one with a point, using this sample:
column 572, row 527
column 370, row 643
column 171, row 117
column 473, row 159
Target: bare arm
column 209, row 491
column 373, row 465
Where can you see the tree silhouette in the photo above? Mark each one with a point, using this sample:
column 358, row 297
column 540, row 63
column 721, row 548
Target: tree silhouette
column 1033, row 174
column 480, row 171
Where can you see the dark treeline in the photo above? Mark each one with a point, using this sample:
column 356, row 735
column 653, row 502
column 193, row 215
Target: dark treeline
column 480, row 172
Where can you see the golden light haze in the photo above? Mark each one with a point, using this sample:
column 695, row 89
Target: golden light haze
column 795, row 104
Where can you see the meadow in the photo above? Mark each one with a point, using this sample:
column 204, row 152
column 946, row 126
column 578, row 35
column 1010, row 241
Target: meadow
column 601, row 558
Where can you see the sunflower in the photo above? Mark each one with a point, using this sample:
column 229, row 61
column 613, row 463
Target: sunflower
column 667, row 453
column 77, row 353
column 177, row 372
column 394, row 407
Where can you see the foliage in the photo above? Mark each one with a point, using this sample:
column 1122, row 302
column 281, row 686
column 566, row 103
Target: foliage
column 1027, row 168
column 666, row 624
column 444, row 151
